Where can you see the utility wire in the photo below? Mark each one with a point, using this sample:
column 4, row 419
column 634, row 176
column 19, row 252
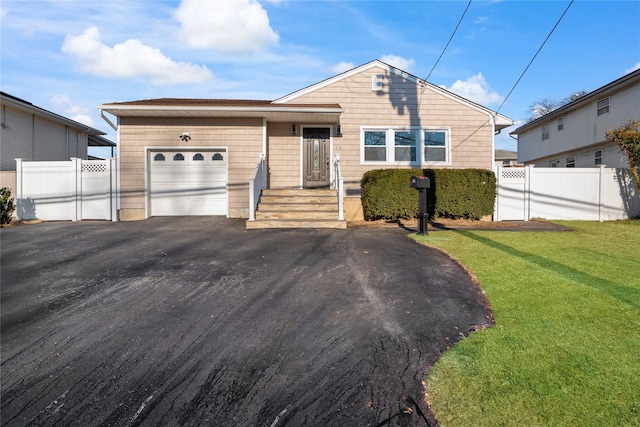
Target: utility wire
column 450, row 38
column 523, row 72
column 534, row 56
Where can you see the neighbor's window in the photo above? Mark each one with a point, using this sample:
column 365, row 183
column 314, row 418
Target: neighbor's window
column 405, row 146
column 571, row 162
column 375, row 146
column 561, row 123
column 603, row 106
column 435, row 146
column 598, row 158
column 555, row 163
column 545, row 132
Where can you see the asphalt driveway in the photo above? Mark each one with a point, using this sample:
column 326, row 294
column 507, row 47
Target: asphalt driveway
column 197, row 322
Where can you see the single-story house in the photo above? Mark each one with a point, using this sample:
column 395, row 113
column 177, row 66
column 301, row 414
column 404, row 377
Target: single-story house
column 507, row 158
column 197, row 156
column 574, row 135
column 32, row 133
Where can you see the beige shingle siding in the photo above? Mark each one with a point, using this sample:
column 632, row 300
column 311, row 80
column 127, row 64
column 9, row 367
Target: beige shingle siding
column 242, row 137
column 397, row 106
column 284, row 156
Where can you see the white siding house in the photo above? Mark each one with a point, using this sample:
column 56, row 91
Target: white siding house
column 574, row 135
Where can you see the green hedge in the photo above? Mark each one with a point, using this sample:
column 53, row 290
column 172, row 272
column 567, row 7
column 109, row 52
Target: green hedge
column 454, row 193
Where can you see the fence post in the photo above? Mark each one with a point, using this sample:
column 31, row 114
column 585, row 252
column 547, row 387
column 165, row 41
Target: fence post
column 600, row 193
column 496, row 208
column 528, row 172
column 76, row 166
column 19, row 202
column 113, row 188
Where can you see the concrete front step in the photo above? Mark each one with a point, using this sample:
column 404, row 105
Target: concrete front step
column 278, row 207
column 297, row 208
column 291, row 214
column 295, row 223
column 299, row 192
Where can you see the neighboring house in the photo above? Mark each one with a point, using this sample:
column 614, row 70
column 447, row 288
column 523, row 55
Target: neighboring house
column 196, row 156
column 33, row 133
column 574, row 135
column 507, row 158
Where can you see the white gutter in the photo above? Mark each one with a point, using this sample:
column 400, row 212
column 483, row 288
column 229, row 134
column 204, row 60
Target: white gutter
column 106, row 119
column 279, row 109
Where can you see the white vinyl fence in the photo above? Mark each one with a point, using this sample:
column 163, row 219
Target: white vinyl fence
column 66, row 190
column 597, row 194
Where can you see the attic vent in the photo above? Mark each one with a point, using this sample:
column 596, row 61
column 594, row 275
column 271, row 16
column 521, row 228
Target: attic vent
column 376, row 82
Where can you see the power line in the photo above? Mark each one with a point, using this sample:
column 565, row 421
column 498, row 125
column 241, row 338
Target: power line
column 523, row 72
column 450, row 38
column 534, row 56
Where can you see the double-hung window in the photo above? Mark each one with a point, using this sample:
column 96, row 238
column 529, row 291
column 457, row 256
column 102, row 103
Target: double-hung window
column 435, row 146
column 405, row 146
column 603, row 106
column 375, row 146
column 545, row 132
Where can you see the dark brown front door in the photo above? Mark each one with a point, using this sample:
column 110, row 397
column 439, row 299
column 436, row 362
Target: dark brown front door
column 316, row 157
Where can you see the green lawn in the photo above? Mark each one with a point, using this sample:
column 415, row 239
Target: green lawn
column 565, row 349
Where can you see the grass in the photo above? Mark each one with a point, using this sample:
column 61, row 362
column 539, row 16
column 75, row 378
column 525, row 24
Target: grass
column 565, row 349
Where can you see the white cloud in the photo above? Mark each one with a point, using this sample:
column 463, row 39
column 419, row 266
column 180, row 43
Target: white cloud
column 632, row 69
column 398, row 62
column 130, row 59
column 62, row 102
column 234, row 26
column 342, row 66
column 476, row 89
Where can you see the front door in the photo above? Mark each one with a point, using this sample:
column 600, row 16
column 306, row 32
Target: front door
column 316, row 157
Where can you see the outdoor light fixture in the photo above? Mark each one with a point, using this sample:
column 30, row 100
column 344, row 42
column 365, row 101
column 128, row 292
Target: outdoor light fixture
column 293, row 129
column 338, row 130
column 185, row 136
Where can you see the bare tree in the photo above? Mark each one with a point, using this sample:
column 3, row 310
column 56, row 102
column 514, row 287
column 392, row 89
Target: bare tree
column 546, row 105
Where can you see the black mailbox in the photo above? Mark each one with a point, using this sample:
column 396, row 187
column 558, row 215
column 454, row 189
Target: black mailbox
column 420, row 182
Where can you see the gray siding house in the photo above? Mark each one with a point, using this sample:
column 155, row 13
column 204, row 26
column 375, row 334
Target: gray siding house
column 31, row 133
column 574, row 135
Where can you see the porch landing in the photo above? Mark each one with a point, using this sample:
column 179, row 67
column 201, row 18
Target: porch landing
column 297, row 208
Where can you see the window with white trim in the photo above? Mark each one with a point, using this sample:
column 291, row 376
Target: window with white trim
column 597, row 158
column 603, row 106
column 435, row 146
column 571, row 162
column 560, row 123
column 545, row 132
column 405, row 146
column 375, row 146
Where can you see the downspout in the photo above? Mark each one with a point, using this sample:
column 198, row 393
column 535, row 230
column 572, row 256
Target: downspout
column 493, row 141
column 106, row 119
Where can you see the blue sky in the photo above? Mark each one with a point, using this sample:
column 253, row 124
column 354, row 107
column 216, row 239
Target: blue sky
column 71, row 56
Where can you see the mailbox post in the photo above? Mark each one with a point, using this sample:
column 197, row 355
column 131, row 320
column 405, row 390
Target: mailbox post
column 422, row 184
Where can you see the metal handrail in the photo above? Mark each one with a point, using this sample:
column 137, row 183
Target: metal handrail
column 256, row 185
column 338, row 184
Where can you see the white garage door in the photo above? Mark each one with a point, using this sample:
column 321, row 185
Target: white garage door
column 188, row 182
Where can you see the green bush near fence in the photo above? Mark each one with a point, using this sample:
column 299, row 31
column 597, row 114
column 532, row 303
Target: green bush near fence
column 6, row 205
column 454, row 193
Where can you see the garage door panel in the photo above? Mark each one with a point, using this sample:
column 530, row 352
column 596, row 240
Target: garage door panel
column 189, row 186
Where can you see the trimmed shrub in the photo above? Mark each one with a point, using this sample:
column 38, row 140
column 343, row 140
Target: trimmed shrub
column 6, row 205
column 454, row 193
